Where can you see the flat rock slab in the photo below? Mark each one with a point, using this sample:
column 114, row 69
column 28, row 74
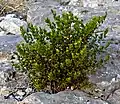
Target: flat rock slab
column 8, row 43
column 64, row 97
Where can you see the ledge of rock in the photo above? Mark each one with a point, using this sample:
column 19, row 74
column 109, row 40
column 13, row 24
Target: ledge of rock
column 64, row 97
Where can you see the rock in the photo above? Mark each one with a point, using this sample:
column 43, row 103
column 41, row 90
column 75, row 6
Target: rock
column 28, row 90
column 76, row 2
column 15, row 87
column 64, row 97
column 64, row 2
column 3, row 77
column 44, row 6
column 7, row 101
column 11, row 25
column 95, row 3
column 114, row 98
column 4, row 91
column 10, row 80
column 8, row 43
column 20, row 93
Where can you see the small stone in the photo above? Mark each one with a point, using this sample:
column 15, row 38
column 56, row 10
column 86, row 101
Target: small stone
column 20, row 92
column 28, row 90
column 19, row 98
column 97, row 90
column 96, row 97
column 10, row 16
column 113, row 80
column 118, row 76
column 72, row 88
column 68, row 87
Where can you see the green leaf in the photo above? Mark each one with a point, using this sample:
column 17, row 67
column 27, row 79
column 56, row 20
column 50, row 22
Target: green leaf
column 105, row 32
column 107, row 44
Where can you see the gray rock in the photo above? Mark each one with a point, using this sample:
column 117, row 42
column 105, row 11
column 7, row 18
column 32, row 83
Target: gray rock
column 2, row 78
column 11, row 25
column 45, row 6
column 64, row 2
column 76, row 3
column 8, row 43
column 64, row 97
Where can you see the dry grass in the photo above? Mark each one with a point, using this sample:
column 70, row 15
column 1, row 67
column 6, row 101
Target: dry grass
column 11, row 5
column 3, row 57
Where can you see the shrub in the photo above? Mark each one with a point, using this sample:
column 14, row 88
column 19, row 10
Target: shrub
column 63, row 55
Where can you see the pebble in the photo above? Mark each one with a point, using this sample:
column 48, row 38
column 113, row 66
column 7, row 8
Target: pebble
column 28, row 90
column 20, row 93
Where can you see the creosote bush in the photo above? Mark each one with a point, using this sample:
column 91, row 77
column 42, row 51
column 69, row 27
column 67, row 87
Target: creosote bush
column 65, row 54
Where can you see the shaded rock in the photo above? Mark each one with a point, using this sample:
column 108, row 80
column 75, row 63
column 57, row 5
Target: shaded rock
column 114, row 98
column 8, row 43
column 16, row 87
column 10, row 80
column 20, row 93
column 64, row 2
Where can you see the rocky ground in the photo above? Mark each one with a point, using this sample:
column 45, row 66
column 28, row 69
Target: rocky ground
column 14, row 87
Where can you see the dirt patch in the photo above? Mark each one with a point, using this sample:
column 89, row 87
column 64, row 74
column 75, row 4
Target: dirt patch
column 3, row 57
column 8, row 6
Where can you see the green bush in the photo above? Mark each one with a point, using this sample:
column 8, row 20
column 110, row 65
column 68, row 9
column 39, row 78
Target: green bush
column 63, row 55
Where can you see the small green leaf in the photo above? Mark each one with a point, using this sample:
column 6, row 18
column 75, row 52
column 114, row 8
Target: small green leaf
column 107, row 44
column 105, row 32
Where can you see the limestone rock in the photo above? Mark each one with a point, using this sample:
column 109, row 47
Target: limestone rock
column 64, row 97
column 11, row 25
